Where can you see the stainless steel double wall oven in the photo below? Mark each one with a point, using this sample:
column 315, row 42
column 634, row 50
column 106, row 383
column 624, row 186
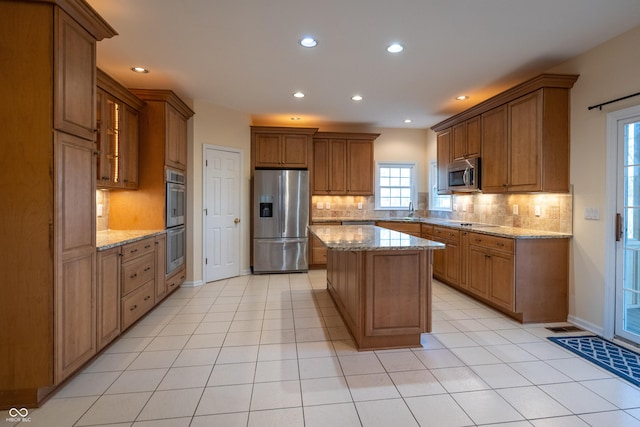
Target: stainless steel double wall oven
column 176, row 210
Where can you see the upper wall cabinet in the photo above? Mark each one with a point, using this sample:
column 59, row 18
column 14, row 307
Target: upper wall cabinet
column 281, row 147
column 466, row 139
column 164, row 127
column 524, row 136
column 443, row 158
column 343, row 163
column 118, row 132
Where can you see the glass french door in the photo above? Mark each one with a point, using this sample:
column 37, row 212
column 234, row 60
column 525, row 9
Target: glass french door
column 627, row 322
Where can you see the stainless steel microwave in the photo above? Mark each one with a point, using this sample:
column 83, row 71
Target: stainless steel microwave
column 464, row 175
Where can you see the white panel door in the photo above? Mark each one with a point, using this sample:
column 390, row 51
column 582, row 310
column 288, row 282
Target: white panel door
column 222, row 171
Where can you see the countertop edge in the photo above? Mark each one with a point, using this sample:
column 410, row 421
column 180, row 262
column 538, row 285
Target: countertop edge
column 370, row 247
column 113, row 238
column 500, row 231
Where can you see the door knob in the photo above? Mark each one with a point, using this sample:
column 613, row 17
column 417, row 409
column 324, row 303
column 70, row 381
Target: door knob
column 237, row 220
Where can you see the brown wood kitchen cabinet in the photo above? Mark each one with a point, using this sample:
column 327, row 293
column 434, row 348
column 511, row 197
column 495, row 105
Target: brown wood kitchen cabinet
column 525, row 278
column 446, row 263
column 163, row 121
column 535, row 154
column 443, row 158
column 412, row 228
column 319, row 250
column 118, row 134
column 108, row 296
column 161, row 266
column 525, row 137
column 281, row 147
column 138, row 286
column 163, row 126
column 343, row 163
column 494, row 170
column 466, row 139
column 51, row 264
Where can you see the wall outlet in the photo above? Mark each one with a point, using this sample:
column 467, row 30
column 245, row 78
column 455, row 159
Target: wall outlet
column 100, row 210
column 327, row 205
column 537, row 210
column 359, row 205
column 464, row 207
column 592, row 213
column 319, row 205
column 515, row 209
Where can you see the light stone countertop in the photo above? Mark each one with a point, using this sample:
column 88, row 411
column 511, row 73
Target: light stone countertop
column 108, row 239
column 369, row 238
column 493, row 230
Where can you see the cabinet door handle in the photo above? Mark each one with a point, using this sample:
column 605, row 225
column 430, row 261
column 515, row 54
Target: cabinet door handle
column 147, row 297
column 133, row 308
column 133, row 276
column 146, row 246
column 500, row 244
column 133, row 251
column 147, row 269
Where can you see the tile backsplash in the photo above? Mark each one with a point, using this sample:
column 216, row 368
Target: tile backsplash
column 102, row 198
column 554, row 211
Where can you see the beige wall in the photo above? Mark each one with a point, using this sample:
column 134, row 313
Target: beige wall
column 607, row 72
column 223, row 127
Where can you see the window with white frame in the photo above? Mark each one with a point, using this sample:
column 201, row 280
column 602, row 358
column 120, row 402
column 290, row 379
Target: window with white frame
column 437, row 202
column 395, row 185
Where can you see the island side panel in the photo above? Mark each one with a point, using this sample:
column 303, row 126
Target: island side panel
column 397, row 297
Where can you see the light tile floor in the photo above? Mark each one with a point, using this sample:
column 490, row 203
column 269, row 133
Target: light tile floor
column 271, row 350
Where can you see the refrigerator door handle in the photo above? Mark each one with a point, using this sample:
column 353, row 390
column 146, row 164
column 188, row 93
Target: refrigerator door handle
column 280, row 204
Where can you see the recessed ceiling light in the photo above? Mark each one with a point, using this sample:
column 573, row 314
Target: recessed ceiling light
column 308, row 42
column 356, row 98
column 462, row 97
column 408, row 121
column 395, row 48
column 140, row 70
column 295, row 118
column 298, row 95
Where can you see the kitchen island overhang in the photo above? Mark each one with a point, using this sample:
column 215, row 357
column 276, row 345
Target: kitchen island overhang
column 380, row 281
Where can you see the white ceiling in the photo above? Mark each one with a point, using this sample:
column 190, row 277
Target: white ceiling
column 244, row 54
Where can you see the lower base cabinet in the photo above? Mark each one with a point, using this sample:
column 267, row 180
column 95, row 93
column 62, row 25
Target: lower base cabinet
column 526, row 279
column 130, row 281
column 175, row 280
column 108, row 296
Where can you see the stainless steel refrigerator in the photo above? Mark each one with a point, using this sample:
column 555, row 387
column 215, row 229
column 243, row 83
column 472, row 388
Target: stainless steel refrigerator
column 280, row 219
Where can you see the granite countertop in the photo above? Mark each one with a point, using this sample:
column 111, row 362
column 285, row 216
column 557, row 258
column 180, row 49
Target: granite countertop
column 108, row 239
column 494, row 230
column 369, row 238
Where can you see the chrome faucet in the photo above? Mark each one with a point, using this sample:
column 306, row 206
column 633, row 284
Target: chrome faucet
column 411, row 209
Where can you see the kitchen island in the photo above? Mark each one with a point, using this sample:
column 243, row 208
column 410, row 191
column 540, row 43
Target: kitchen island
column 380, row 280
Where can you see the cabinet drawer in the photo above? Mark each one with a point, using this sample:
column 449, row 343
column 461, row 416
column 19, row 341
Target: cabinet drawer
column 492, row 242
column 175, row 280
column 137, row 303
column 136, row 249
column 447, row 233
column 137, row 272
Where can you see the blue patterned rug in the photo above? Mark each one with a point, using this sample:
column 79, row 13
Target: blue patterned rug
column 615, row 359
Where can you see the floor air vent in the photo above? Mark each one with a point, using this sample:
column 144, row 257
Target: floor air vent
column 569, row 328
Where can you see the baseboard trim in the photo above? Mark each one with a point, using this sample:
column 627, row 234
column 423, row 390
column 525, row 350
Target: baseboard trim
column 193, row 284
column 598, row 330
